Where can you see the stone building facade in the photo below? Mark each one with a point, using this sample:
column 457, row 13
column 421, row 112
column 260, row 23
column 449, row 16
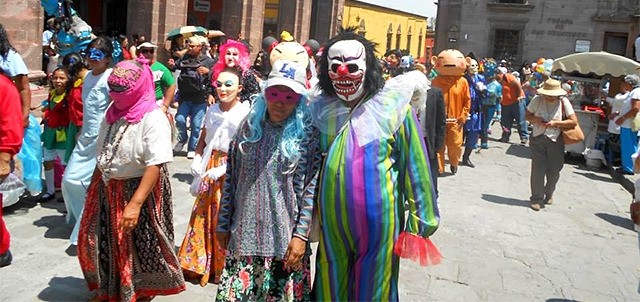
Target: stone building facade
column 388, row 27
column 24, row 20
column 519, row 30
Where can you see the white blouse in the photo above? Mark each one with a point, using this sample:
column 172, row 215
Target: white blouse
column 222, row 125
column 143, row 144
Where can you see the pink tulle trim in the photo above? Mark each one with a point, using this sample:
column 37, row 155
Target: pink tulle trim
column 418, row 249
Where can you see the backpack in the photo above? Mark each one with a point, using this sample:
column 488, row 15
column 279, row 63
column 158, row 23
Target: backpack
column 189, row 81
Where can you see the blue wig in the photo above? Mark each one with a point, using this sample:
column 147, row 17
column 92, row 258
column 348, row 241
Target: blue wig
column 292, row 135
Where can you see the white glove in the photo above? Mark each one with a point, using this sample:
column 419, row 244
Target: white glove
column 217, row 172
column 196, row 165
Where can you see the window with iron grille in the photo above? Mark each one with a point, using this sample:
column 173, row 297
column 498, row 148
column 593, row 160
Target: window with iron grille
column 506, row 42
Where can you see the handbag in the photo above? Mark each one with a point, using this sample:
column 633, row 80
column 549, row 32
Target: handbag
column 573, row 135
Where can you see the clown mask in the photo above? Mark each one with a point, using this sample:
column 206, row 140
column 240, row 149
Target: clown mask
column 473, row 66
column 232, row 57
column 347, row 67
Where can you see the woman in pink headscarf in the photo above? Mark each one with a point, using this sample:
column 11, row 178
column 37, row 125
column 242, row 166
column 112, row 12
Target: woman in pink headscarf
column 125, row 246
column 235, row 54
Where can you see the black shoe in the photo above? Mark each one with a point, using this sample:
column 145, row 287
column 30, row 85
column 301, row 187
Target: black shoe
column 6, row 258
column 46, row 197
column 467, row 162
column 454, row 170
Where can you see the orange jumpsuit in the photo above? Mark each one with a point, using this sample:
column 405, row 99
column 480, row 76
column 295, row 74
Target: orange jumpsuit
column 457, row 100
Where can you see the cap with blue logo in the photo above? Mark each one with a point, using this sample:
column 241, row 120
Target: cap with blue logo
column 288, row 74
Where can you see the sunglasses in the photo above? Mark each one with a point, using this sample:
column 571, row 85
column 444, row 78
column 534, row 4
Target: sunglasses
column 146, row 51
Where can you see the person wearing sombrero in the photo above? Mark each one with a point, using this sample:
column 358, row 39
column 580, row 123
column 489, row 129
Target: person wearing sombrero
column 549, row 112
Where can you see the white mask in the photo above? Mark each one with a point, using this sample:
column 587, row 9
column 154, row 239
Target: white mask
column 347, row 69
column 473, row 66
column 232, row 57
column 227, row 86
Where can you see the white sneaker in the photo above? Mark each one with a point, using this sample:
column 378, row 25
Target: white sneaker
column 178, row 147
column 191, row 154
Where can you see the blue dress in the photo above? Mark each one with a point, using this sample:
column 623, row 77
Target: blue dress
column 77, row 176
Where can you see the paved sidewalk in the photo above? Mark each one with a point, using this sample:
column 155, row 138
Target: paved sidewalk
column 495, row 248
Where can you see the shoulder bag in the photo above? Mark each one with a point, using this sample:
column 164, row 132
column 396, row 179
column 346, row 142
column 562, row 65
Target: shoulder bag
column 572, row 135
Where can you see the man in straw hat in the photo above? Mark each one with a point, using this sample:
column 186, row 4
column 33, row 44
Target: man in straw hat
column 549, row 112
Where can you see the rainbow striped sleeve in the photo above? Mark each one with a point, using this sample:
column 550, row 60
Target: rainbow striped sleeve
column 415, row 178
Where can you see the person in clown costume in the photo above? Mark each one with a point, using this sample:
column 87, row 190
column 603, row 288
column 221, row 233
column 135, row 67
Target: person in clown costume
column 374, row 163
column 451, row 65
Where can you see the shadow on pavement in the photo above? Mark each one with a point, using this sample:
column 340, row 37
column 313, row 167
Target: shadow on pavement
column 55, row 204
column 183, row 177
column 596, row 177
column 22, row 207
column 65, row 289
column 505, row 200
column 560, row 300
column 519, row 151
column 622, row 222
column 57, row 227
column 72, row 250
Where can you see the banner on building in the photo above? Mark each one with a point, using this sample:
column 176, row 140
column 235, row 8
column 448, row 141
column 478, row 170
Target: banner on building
column 201, row 5
column 583, row 45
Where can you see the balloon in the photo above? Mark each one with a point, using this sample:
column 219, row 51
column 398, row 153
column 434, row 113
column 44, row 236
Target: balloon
column 548, row 63
column 540, row 61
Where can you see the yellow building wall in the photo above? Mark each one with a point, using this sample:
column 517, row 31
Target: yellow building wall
column 376, row 24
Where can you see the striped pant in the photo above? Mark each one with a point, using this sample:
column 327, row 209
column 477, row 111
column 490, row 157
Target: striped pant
column 355, row 259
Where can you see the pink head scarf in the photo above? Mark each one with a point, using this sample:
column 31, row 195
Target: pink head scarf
column 132, row 90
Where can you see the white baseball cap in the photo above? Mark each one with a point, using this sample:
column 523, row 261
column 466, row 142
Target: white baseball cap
column 290, row 74
column 146, row 45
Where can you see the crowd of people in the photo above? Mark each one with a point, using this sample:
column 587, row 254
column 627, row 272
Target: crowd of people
column 329, row 144
column 269, row 149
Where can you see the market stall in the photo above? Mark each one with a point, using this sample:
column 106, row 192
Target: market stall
column 590, row 71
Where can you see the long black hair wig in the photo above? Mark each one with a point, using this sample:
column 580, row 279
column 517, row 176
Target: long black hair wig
column 5, row 46
column 373, row 81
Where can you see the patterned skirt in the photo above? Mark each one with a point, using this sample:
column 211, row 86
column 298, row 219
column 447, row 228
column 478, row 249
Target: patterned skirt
column 253, row 278
column 200, row 252
column 125, row 267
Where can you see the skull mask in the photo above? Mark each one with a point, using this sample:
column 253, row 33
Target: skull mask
column 347, row 67
column 473, row 66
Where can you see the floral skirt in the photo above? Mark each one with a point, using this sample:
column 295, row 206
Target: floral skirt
column 200, row 253
column 122, row 267
column 252, row 278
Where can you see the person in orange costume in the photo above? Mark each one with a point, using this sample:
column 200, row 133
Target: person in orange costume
column 450, row 65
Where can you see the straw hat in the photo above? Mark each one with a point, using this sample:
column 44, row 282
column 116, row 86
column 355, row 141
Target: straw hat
column 552, row 87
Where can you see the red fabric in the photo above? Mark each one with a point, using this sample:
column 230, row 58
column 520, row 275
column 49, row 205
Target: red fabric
column 126, row 54
column 511, row 90
column 11, row 130
column 74, row 99
column 56, row 115
column 595, row 109
column 58, row 171
column 4, row 233
column 418, row 249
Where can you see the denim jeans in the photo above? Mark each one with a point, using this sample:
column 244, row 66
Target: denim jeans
column 196, row 112
column 489, row 112
column 509, row 114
